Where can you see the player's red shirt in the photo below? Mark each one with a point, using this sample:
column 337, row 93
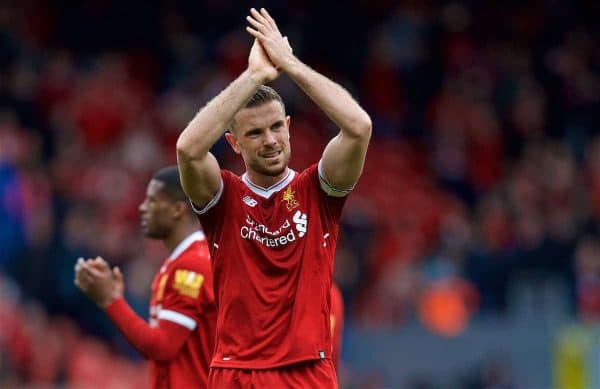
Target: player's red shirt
column 272, row 254
column 182, row 292
column 337, row 323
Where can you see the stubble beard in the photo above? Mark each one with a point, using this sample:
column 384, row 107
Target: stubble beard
column 271, row 171
column 156, row 233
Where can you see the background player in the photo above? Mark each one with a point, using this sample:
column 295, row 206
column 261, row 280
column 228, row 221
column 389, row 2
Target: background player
column 180, row 337
column 273, row 231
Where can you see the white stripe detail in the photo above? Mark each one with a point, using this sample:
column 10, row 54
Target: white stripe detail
column 177, row 318
column 211, row 203
column 266, row 193
column 187, row 242
column 328, row 188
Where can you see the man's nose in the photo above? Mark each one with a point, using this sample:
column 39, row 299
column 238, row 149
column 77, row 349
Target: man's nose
column 270, row 138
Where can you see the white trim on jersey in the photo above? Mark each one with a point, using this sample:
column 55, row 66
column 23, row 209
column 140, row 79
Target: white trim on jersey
column 266, row 193
column 211, row 203
column 177, row 318
column 184, row 244
column 328, row 188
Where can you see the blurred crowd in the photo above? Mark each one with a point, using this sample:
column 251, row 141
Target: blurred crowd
column 484, row 164
column 37, row 349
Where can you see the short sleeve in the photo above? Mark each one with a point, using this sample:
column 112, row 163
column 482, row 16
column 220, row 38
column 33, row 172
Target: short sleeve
column 213, row 214
column 329, row 189
column 188, row 292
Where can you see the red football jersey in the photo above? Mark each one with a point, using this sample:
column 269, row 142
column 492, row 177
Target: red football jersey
column 272, row 254
column 182, row 292
column 337, row 323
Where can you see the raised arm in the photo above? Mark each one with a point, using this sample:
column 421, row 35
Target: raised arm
column 199, row 169
column 344, row 156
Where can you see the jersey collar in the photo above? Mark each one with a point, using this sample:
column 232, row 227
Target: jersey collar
column 267, row 192
column 187, row 242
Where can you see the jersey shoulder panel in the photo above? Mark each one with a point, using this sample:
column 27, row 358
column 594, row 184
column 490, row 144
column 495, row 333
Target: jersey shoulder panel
column 196, row 257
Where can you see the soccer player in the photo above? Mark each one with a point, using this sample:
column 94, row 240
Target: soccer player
column 336, row 318
column 272, row 232
column 180, row 338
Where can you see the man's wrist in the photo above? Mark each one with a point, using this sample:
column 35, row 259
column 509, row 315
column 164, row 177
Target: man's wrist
column 256, row 78
column 116, row 307
column 292, row 65
column 107, row 302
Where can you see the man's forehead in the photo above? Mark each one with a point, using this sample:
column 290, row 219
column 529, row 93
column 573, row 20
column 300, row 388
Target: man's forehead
column 154, row 187
column 254, row 116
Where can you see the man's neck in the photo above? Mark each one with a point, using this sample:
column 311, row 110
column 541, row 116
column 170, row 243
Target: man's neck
column 180, row 232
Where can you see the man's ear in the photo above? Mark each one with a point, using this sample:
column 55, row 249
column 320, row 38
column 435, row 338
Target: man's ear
column 232, row 142
column 180, row 208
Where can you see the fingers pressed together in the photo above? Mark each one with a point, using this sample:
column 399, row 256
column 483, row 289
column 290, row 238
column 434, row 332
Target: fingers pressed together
column 89, row 271
column 262, row 23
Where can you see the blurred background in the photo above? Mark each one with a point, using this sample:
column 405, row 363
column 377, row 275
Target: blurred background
column 469, row 255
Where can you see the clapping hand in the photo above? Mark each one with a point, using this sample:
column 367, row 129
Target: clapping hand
column 96, row 279
column 276, row 46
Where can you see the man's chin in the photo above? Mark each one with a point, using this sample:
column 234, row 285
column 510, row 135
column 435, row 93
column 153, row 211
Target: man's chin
column 274, row 171
column 153, row 234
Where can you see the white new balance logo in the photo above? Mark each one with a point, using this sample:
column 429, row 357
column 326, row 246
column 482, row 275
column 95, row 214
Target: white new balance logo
column 250, row 201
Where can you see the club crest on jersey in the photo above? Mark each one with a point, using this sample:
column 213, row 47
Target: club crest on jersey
column 290, row 200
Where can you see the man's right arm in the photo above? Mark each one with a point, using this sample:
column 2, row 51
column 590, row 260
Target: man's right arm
column 105, row 287
column 198, row 168
column 160, row 343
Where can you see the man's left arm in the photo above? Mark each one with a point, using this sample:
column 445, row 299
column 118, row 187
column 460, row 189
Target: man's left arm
column 344, row 156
